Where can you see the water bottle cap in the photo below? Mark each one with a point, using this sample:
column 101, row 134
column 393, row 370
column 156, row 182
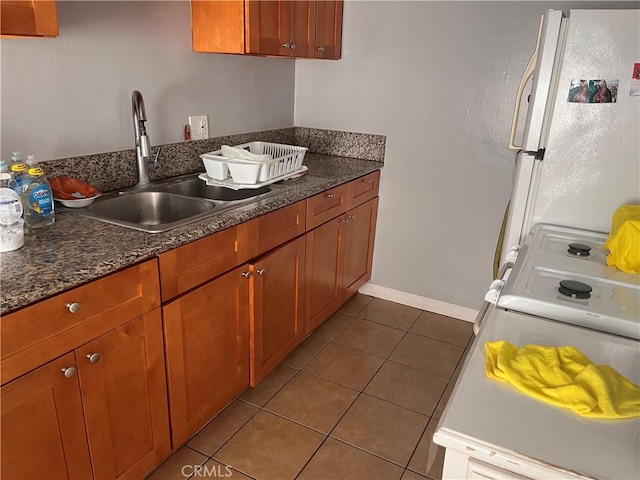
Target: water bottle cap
column 31, row 159
column 16, row 156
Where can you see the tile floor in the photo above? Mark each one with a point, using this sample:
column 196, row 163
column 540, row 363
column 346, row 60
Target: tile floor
column 358, row 399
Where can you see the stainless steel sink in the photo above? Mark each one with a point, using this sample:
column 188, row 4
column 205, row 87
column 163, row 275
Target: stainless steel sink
column 167, row 204
column 150, row 212
column 194, row 187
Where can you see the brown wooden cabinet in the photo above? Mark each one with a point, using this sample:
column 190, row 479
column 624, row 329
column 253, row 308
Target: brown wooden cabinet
column 103, row 398
column 328, row 30
column 43, row 429
column 340, row 251
column 121, row 377
column 28, row 18
column 358, row 248
column 206, row 336
column 268, row 27
column 277, row 306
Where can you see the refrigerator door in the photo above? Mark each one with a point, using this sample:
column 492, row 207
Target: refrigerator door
column 544, row 78
column 591, row 164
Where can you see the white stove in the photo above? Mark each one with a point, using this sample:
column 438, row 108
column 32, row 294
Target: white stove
column 561, row 274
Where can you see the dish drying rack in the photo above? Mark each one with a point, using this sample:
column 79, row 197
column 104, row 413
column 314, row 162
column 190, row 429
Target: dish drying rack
column 245, row 173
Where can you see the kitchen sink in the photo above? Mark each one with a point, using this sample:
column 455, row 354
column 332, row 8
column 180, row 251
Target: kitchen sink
column 167, row 204
column 194, row 187
column 148, row 211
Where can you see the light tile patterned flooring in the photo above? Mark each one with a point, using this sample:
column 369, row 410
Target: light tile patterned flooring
column 358, row 399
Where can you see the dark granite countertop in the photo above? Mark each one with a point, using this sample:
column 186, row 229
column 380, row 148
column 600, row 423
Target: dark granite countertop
column 76, row 250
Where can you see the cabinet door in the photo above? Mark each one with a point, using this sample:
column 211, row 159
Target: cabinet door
column 31, row 18
column 263, row 28
column 358, row 253
column 125, row 400
column 324, row 256
column 207, row 345
column 277, row 316
column 300, row 16
column 43, row 432
column 328, row 31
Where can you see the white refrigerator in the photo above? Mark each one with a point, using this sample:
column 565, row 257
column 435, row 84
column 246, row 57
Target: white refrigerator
column 579, row 160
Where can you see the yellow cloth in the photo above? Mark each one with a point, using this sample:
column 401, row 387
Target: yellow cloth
column 624, row 239
column 565, row 377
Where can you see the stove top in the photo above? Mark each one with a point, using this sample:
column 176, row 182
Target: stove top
column 561, row 274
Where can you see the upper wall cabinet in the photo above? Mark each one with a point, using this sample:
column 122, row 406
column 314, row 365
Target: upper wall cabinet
column 304, row 29
column 35, row 18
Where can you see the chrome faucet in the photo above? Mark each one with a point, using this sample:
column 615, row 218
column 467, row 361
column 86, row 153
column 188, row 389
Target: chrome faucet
column 143, row 147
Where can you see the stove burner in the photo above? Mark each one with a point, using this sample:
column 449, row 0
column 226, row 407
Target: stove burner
column 579, row 249
column 574, row 289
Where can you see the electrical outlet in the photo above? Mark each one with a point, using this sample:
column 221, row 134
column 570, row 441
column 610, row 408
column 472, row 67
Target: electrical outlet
column 199, row 125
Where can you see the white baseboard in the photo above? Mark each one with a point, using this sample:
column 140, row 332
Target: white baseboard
column 416, row 301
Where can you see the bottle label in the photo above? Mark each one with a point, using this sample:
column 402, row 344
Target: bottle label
column 35, row 171
column 19, row 167
column 10, row 206
column 40, row 201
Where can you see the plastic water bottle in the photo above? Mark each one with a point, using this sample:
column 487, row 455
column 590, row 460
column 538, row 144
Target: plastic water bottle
column 18, row 170
column 37, row 197
column 11, row 222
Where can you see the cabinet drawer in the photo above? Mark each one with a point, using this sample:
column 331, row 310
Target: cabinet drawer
column 276, row 228
column 326, row 205
column 363, row 189
column 45, row 330
column 186, row 267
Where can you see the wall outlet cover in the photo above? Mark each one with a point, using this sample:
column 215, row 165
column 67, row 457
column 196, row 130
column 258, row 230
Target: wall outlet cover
column 199, row 125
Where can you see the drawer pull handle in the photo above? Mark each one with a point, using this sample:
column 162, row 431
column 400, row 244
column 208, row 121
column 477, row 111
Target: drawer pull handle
column 321, row 49
column 261, row 271
column 367, row 181
column 93, row 357
column 69, row 371
column 73, row 307
column 246, row 274
column 331, row 195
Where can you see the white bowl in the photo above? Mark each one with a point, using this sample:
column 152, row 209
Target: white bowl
column 246, row 173
column 79, row 203
column 215, row 168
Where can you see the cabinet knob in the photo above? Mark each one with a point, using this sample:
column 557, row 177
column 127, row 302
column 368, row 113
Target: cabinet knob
column 260, row 271
column 69, row 371
column 321, row 49
column 93, row 357
column 286, row 45
column 73, row 307
column 367, row 181
column 351, row 218
column 246, row 274
column 331, row 195
column 293, row 46
column 345, row 221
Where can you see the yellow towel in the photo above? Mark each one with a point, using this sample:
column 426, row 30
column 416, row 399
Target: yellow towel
column 624, row 239
column 565, row 377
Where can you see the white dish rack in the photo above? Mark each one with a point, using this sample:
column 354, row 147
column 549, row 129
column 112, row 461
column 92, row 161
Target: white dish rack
column 229, row 182
column 287, row 159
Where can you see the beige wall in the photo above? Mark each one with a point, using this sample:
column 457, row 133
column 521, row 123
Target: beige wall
column 439, row 80
column 71, row 95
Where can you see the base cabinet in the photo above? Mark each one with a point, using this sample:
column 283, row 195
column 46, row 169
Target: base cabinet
column 118, row 381
column 358, row 249
column 206, row 336
column 42, row 424
column 339, row 259
column 277, row 313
